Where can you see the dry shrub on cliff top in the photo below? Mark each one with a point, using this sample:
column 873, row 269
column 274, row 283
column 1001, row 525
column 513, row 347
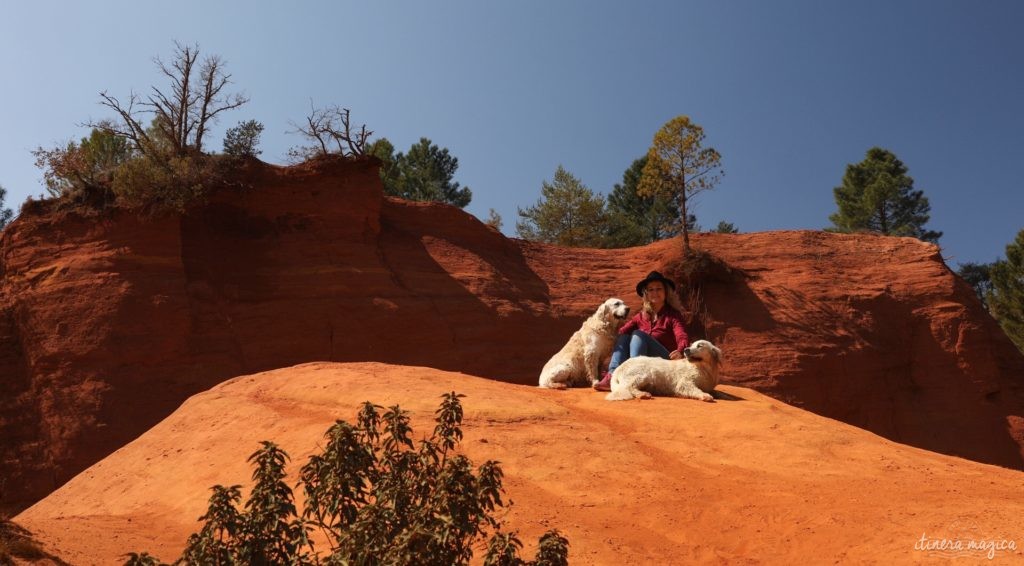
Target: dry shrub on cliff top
column 697, row 269
column 700, row 266
column 329, row 131
column 374, row 496
column 151, row 155
column 160, row 185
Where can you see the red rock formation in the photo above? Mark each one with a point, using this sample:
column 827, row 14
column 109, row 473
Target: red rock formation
column 107, row 325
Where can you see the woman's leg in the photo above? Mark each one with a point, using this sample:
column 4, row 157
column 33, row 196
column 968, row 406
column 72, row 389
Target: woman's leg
column 642, row 344
column 620, row 352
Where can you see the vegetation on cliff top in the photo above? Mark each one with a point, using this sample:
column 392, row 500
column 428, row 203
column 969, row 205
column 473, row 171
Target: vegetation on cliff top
column 1006, row 296
column 153, row 154
column 5, row 213
column 877, row 195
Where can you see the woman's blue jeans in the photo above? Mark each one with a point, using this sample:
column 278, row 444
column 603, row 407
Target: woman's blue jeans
column 636, row 343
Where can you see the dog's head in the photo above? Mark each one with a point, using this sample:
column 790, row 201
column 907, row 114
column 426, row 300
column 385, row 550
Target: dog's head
column 614, row 311
column 703, row 351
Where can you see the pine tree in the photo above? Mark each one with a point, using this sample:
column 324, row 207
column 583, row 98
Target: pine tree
column 384, row 150
column 726, row 228
column 243, row 140
column 635, row 220
column 1006, row 298
column 424, row 173
column 979, row 277
column 568, row 213
column 680, row 167
column 5, row 213
column 878, row 195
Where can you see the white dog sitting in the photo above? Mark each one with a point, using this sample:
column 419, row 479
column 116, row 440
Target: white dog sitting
column 692, row 378
column 577, row 362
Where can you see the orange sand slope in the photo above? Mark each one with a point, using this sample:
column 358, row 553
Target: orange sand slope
column 666, row 481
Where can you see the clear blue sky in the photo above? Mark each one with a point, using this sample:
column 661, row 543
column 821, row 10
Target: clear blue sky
column 789, row 92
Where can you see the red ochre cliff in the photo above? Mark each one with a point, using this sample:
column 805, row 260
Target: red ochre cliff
column 108, row 324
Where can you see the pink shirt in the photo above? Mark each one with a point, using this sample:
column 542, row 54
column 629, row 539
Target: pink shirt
column 668, row 330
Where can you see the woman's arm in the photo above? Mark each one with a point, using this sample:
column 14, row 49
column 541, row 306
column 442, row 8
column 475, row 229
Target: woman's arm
column 682, row 340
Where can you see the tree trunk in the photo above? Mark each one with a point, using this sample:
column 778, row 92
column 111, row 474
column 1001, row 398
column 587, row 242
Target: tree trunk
column 682, row 211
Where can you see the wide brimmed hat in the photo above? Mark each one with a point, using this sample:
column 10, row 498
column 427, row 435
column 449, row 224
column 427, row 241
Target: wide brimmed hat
column 653, row 276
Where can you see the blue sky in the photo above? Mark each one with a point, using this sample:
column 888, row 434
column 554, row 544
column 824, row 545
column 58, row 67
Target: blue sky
column 789, row 92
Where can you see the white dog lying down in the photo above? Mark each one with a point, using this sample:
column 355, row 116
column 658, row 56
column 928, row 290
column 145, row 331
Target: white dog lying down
column 692, row 378
column 577, row 362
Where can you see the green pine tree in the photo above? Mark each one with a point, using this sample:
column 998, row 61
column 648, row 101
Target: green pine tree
column 424, row 173
column 979, row 277
column 5, row 213
column 568, row 213
column 635, row 220
column 726, row 228
column 384, row 150
column 1006, row 299
column 877, row 195
column 680, row 167
column 243, row 140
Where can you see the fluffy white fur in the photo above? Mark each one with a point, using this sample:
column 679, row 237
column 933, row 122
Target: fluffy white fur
column 577, row 363
column 692, row 378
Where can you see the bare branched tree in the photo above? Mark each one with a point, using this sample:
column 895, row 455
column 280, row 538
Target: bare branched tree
column 211, row 99
column 330, row 129
column 129, row 126
column 183, row 113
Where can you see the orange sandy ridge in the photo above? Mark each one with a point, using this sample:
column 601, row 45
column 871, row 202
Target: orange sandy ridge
column 668, row 481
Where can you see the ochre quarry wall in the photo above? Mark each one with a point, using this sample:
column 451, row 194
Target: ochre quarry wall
column 108, row 324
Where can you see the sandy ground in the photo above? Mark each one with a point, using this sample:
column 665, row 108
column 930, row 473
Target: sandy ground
column 666, row 481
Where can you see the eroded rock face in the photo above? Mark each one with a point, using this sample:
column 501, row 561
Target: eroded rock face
column 106, row 326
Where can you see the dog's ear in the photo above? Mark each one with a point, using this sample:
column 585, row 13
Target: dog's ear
column 604, row 310
column 716, row 354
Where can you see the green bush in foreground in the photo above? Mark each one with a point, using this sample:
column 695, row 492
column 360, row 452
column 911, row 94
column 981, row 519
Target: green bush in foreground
column 374, row 496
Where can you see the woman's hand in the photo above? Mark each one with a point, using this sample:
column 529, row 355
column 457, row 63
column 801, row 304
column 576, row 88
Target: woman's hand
column 675, row 355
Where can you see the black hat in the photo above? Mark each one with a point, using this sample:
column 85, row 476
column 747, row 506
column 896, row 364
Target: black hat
column 653, row 276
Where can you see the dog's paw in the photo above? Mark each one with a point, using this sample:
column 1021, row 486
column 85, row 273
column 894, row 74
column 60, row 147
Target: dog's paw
column 645, row 395
column 559, row 386
column 707, row 398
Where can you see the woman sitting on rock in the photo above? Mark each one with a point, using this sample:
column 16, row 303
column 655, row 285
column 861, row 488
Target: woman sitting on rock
column 657, row 330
